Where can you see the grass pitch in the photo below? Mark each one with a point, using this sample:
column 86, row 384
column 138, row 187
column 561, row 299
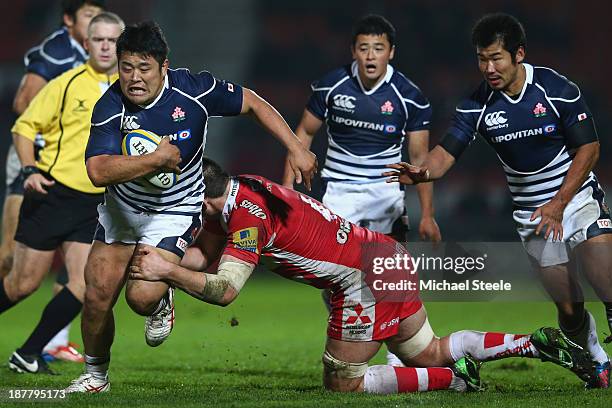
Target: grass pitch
column 265, row 350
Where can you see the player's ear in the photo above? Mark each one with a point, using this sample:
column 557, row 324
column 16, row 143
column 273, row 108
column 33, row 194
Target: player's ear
column 392, row 53
column 68, row 20
column 520, row 54
column 164, row 67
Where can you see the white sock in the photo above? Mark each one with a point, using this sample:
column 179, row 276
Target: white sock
column 382, row 379
column 97, row 366
column 486, row 346
column 593, row 346
column 60, row 339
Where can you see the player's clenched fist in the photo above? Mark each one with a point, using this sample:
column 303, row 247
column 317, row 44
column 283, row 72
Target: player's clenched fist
column 148, row 265
column 406, row 174
column 169, row 156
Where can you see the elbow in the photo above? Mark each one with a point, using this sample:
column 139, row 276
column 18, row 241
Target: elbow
column 94, row 174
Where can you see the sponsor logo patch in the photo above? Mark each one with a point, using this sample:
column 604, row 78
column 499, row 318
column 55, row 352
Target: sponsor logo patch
column 582, row 116
column 344, row 103
column 246, row 239
column 496, row 120
column 181, row 244
column 607, row 224
column 129, row 123
column 390, row 128
column 550, row 128
column 253, row 209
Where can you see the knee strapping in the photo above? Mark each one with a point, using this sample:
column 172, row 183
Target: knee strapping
column 343, row 369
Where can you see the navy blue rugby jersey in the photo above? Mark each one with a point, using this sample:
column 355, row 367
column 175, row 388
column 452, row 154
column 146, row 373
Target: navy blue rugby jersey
column 58, row 53
column 366, row 128
column 181, row 112
column 527, row 133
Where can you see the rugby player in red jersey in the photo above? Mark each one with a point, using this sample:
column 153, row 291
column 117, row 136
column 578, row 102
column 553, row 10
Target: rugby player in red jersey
column 251, row 219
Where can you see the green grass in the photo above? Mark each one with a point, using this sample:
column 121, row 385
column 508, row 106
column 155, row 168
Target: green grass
column 272, row 357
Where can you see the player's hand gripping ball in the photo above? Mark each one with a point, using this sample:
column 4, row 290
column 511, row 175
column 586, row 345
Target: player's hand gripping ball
column 140, row 142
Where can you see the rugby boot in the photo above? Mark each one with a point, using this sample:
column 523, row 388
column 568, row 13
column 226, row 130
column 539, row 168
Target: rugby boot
column 159, row 326
column 555, row 347
column 87, row 383
column 602, row 380
column 468, row 370
column 29, row 363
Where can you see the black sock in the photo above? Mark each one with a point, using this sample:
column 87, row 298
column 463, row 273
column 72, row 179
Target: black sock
column 60, row 311
column 579, row 334
column 608, row 306
column 5, row 302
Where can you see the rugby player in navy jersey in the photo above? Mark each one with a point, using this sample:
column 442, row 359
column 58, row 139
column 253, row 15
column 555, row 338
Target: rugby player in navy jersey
column 544, row 135
column 370, row 108
column 60, row 51
column 175, row 104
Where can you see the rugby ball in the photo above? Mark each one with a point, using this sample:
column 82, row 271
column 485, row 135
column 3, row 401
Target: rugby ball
column 140, row 142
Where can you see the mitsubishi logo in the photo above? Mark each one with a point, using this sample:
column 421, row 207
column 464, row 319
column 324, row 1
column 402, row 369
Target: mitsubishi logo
column 353, row 319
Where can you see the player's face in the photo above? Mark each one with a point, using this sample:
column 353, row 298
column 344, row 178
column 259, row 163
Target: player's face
column 372, row 53
column 209, row 210
column 141, row 78
column 497, row 67
column 78, row 26
column 101, row 46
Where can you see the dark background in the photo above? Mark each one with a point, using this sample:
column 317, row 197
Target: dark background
column 277, row 48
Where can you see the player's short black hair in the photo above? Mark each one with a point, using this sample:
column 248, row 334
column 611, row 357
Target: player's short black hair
column 374, row 24
column 499, row 27
column 215, row 178
column 145, row 38
column 70, row 7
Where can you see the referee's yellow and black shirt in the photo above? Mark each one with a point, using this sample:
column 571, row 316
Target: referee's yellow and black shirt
column 61, row 113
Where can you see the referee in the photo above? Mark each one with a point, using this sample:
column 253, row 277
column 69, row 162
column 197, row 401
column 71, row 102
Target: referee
column 60, row 205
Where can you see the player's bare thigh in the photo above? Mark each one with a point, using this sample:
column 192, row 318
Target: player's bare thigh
column 143, row 296
column 106, row 271
column 595, row 258
column 416, row 345
column 342, row 352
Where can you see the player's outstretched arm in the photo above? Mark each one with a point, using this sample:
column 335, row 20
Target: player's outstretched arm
column 301, row 160
column 105, row 170
column 437, row 163
column 306, row 130
column 217, row 289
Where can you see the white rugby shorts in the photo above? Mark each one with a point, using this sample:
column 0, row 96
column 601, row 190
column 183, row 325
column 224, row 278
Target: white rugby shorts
column 171, row 232
column 375, row 206
column 585, row 217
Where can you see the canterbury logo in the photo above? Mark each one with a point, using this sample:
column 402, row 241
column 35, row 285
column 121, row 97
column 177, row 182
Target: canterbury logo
column 344, row 101
column 129, row 123
column 495, row 118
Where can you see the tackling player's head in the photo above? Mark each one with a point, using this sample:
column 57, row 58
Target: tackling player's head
column 216, row 181
column 500, row 45
column 373, row 47
column 142, row 53
column 102, row 35
column 77, row 15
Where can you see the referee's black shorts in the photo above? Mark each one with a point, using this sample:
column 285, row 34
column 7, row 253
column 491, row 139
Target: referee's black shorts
column 63, row 214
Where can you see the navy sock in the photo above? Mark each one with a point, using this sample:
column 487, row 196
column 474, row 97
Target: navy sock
column 60, row 311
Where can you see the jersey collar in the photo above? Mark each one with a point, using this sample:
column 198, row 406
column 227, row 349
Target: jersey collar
column 166, row 86
column 75, row 44
column 230, row 203
column 528, row 80
column 386, row 78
